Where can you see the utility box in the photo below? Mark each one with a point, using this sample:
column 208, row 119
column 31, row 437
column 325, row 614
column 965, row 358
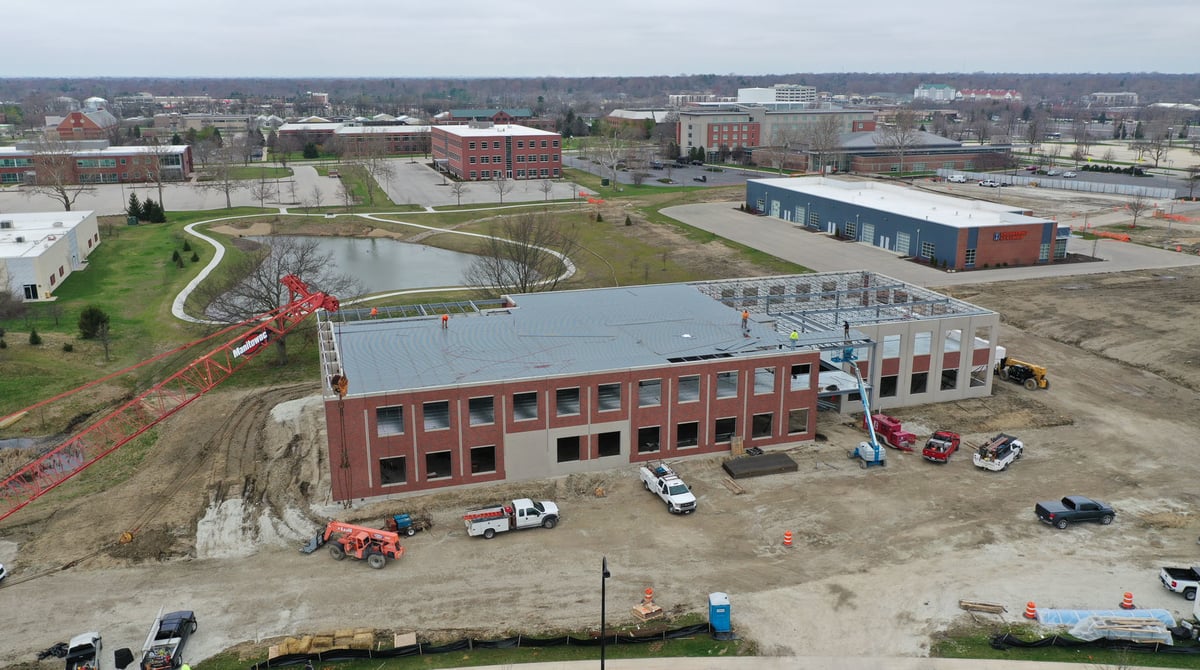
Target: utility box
column 131, row 220
column 718, row 612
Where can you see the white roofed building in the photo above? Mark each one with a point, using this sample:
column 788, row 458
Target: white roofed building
column 40, row 250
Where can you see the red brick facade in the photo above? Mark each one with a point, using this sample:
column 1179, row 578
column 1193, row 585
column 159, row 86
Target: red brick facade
column 82, row 126
column 105, row 166
column 762, row 409
column 509, row 152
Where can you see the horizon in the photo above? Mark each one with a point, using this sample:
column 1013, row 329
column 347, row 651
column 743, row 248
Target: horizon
column 630, row 38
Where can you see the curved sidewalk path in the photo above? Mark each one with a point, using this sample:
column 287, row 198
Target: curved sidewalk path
column 177, row 306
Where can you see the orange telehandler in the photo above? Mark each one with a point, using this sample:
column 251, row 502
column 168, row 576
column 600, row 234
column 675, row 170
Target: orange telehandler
column 361, row 542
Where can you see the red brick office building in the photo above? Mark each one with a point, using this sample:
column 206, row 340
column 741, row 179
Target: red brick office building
column 482, row 151
column 94, row 163
column 558, row 383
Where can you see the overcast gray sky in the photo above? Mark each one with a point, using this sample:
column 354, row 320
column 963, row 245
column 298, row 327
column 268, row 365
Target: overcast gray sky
column 530, row 38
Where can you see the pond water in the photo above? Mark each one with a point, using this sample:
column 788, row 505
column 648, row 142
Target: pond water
column 383, row 264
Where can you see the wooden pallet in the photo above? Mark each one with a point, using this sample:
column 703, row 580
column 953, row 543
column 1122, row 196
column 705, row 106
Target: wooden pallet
column 733, row 486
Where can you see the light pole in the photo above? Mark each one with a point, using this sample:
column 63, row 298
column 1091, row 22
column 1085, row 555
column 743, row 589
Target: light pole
column 604, row 575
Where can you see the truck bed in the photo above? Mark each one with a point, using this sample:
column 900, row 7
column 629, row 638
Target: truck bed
column 1183, row 574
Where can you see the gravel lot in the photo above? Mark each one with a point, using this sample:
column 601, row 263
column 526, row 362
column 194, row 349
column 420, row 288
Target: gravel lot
column 881, row 556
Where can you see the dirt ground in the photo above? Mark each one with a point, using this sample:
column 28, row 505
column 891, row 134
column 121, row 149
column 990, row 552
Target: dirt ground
column 237, row 482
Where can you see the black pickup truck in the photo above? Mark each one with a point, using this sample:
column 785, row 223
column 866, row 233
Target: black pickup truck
column 1070, row 509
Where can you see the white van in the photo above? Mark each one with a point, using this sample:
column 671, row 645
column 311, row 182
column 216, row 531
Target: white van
column 957, row 178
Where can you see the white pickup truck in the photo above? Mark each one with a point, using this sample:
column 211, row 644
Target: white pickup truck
column 1181, row 580
column 519, row 514
column 659, row 478
column 83, row 652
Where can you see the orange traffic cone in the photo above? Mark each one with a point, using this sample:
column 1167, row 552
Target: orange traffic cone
column 648, row 597
column 1030, row 610
column 787, row 538
column 1127, row 601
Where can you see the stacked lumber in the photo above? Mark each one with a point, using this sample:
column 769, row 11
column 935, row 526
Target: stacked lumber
column 977, row 606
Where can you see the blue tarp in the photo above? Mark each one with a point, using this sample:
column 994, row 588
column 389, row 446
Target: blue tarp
column 1072, row 617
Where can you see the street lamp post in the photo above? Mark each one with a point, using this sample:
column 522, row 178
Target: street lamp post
column 604, row 575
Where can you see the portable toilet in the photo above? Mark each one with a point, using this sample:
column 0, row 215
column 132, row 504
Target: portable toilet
column 718, row 612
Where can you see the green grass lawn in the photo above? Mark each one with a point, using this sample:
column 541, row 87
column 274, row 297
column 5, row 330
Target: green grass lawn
column 256, row 172
column 974, row 642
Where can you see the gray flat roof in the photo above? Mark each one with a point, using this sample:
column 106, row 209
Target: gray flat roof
column 943, row 209
column 563, row 333
column 547, row 334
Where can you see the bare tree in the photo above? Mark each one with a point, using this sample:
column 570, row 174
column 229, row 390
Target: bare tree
column 219, row 177
column 1079, row 129
column 502, row 185
column 783, row 139
column 612, row 149
column 823, row 139
column 524, row 253
column 104, row 336
column 206, row 151
column 376, row 167
column 639, row 177
column 1157, row 143
column 1034, row 127
column 345, row 194
column 255, row 289
column 899, row 136
column 161, row 154
column 1138, row 205
column 982, row 126
column 1054, row 152
column 458, row 188
column 262, row 190
column 55, row 174
column 546, row 187
column 316, row 196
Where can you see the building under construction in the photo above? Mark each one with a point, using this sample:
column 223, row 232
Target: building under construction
column 548, row 384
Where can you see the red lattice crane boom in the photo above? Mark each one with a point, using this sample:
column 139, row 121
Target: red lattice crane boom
column 177, row 391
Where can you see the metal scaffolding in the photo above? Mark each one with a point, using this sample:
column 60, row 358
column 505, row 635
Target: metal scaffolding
column 826, row 301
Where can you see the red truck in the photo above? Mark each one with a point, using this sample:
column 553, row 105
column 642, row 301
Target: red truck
column 941, row 446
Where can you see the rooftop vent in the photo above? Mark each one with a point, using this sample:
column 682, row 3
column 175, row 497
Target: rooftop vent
column 58, row 224
column 6, row 224
column 20, row 239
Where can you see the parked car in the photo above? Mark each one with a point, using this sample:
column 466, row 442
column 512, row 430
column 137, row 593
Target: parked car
column 957, row 179
column 990, row 183
column 1052, row 172
column 1069, row 175
column 1070, row 509
column 702, row 177
column 1032, row 168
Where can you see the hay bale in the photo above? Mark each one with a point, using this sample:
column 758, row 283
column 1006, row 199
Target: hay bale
column 303, row 645
column 322, row 642
column 344, row 632
column 361, row 631
column 273, row 651
column 362, row 641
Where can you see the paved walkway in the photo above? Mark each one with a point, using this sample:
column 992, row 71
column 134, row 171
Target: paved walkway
column 822, row 253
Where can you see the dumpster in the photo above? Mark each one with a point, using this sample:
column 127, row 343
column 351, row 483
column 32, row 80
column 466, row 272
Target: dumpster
column 604, row 181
